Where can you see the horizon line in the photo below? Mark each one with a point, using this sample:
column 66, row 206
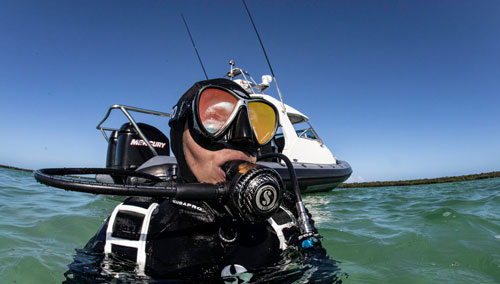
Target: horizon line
column 468, row 177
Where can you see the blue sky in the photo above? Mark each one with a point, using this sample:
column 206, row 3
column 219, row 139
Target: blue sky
column 399, row 89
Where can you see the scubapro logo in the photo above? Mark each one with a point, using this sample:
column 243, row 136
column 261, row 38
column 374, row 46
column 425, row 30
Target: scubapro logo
column 266, row 198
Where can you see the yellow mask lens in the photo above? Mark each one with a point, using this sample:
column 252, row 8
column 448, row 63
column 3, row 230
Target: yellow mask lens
column 263, row 120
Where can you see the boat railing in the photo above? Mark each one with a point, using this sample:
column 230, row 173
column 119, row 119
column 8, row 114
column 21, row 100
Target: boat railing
column 126, row 111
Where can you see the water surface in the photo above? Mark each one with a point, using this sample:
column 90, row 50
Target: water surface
column 441, row 233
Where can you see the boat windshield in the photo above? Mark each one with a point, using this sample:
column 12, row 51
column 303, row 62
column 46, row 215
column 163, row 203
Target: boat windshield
column 304, row 130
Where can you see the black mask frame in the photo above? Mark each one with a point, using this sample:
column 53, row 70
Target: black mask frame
column 237, row 135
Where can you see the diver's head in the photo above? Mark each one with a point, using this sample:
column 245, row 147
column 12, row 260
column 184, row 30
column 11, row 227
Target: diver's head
column 216, row 121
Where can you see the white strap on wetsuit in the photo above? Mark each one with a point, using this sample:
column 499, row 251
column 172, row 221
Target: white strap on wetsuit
column 278, row 228
column 140, row 244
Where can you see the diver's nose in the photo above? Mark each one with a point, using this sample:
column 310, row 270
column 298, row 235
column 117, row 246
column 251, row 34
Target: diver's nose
column 241, row 131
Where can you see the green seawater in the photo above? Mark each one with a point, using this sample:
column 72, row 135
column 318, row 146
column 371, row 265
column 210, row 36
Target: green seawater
column 440, row 233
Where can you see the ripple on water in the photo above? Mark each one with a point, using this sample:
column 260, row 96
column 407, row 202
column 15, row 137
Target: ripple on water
column 446, row 233
column 442, row 233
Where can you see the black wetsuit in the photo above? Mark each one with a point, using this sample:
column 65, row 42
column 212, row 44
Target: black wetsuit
column 173, row 239
column 197, row 238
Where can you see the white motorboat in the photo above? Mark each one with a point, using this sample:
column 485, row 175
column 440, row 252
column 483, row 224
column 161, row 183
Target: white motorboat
column 315, row 166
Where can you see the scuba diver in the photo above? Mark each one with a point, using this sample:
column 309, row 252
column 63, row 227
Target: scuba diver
column 214, row 126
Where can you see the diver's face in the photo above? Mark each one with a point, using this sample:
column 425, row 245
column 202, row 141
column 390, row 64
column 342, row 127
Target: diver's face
column 206, row 164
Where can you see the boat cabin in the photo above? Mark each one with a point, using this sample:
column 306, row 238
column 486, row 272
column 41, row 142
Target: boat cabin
column 296, row 137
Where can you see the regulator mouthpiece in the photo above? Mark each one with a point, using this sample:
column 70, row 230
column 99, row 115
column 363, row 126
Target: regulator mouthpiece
column 254, row 190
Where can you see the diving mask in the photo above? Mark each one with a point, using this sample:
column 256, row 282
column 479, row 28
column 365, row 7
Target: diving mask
column 227, row 117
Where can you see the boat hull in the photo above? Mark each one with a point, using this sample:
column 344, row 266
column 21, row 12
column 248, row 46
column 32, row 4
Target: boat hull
column 314, row 177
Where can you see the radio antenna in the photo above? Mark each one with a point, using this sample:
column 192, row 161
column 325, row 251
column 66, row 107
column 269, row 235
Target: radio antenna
column 194, row 46
column 265, row 54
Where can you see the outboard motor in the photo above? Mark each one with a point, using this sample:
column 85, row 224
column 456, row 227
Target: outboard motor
column 110, row 156
column 127, row 150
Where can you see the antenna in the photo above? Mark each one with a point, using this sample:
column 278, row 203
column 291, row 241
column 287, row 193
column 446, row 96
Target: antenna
column 265, row 54
column 195, row 49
